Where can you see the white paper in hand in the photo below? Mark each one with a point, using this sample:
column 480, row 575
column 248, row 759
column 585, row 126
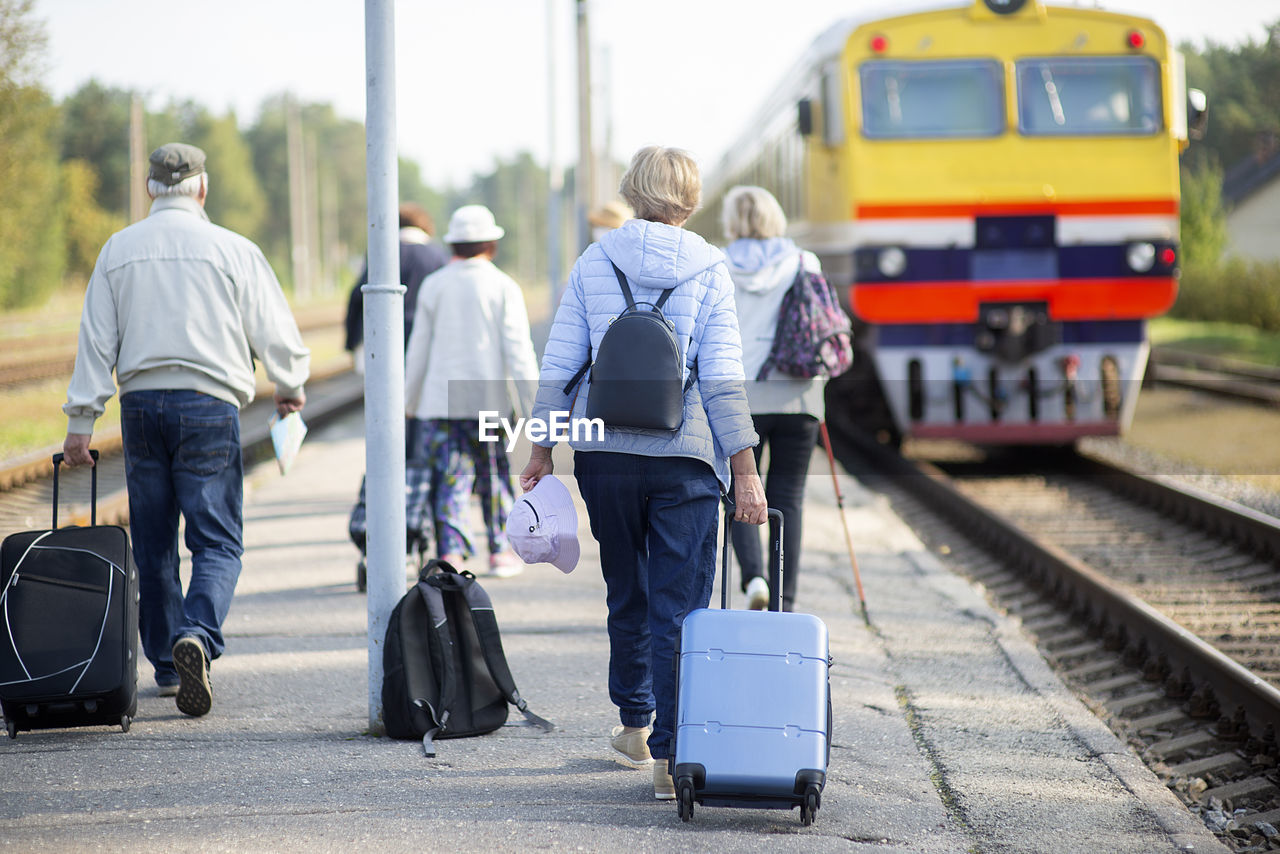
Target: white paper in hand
column 286, row 437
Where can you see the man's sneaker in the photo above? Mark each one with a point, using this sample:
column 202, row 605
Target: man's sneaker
column 505, row 565
column 195, row 692
column 664, row 788
column 167, row 690
column 758, row 594
column 632, row 742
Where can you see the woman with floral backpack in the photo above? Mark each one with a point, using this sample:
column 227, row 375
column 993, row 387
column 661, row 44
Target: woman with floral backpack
column 786, row 408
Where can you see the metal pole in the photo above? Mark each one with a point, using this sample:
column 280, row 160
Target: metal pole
column 585, row 178
column 555, row 176
column 383, row 347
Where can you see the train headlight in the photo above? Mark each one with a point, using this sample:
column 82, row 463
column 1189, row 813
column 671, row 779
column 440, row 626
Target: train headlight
column 891, row 262
column 1140, row 257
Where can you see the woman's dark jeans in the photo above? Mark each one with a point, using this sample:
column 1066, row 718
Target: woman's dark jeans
column 182, row 455
column 655, row 519
column 791, row 439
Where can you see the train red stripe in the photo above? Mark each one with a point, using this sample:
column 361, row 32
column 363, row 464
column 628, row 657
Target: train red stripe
column 1068, row 299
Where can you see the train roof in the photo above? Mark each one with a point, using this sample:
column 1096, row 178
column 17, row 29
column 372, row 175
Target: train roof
column 830, row 42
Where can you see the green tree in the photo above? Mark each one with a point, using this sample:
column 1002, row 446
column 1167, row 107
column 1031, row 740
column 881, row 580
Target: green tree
column 87, row 225
column 414, row 189
column 31, row 241
column 1204, row 222
column 95, row 129
column 335, row 178
column 236, row 199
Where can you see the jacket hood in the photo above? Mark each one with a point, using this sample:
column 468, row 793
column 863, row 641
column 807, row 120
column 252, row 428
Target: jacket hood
column 657, row 255
column 759, row 266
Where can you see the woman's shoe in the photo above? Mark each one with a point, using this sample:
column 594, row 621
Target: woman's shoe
column 758, row 594
column 664, row 788
column 631, row 742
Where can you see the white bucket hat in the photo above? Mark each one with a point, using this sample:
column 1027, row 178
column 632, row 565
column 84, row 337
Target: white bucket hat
column 473, row 224
column 543, row 526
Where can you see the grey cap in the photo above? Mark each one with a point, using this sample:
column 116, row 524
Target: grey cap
column 174, row 162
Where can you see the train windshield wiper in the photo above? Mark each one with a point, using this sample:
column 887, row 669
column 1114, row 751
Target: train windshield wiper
column 1051, row 89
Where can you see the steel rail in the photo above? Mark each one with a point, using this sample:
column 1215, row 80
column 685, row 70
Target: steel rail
column 1088, row 594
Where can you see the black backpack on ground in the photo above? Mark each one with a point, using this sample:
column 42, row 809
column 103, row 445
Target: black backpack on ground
column 444, row 672
column 637, row 377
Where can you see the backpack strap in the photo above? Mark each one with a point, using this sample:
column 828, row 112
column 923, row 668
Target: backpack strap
column 626, row 291
column 486, row 625
column 631, row 304
column 573, row 381
column 439, row 629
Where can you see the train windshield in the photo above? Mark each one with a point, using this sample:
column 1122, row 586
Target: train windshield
column 1105, row 96
column 912, row 100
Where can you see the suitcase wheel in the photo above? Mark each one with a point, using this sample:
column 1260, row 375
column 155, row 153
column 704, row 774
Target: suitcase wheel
column 13, row 728
column 362, row 576
column 808, row 809
column 125, row 721
column 684, row 798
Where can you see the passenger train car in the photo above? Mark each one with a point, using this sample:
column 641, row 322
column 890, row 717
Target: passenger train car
column 996, row 184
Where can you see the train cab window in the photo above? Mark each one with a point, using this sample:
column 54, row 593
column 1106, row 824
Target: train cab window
column 1105, row 96
column 937, row 99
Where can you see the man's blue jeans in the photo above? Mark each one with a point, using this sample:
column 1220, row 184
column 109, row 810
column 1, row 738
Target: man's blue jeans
column 182, row 455
column 655, row 520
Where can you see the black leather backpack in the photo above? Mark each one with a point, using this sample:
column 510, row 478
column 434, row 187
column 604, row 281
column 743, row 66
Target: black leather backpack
column 637, row 378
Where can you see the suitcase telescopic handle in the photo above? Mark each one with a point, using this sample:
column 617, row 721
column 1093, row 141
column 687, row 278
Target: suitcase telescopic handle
column 775, row 537
column 93, row 487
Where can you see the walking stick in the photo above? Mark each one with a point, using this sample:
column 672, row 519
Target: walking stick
column 848, row 540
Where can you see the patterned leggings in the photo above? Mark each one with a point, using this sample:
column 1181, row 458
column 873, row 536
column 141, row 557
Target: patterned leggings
column 461, row 463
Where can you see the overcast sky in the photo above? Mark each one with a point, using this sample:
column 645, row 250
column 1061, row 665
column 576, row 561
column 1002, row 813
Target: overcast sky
column 472, row 77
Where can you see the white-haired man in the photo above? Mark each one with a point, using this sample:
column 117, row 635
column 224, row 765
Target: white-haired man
column 179, row 307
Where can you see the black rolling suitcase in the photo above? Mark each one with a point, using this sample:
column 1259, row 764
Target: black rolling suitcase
column 753, row 703
column 68, row 624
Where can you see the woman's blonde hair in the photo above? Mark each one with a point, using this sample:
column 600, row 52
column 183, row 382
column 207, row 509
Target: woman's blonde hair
column 752, row 212
column 662, row 184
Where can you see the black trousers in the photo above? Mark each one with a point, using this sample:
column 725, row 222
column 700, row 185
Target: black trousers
column 791, row 439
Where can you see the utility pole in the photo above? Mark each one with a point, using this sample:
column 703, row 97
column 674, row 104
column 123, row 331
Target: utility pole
column 555, row 175
column 585, row 179
column 606, row 170
column 298, row 207
column 383, row 346
column 138, row 166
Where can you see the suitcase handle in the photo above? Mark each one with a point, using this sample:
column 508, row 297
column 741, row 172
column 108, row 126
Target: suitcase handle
column 93, row 487
column 775, row 534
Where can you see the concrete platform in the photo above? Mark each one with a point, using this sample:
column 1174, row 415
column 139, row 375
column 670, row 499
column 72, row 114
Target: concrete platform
column 951, row 734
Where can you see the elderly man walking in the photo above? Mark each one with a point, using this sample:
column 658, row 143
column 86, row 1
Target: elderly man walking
column 179, row 308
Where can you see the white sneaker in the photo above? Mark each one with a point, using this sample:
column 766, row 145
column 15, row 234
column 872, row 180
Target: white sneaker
column 758, row 594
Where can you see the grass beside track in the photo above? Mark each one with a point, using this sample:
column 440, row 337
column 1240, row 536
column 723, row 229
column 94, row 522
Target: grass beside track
column 1230, row 340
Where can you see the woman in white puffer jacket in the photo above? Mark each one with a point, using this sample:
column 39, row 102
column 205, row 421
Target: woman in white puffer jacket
column 785, row 410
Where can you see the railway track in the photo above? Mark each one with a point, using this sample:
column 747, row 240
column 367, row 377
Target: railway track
column 1231, row 378
column 1160, row 605
column 26, row 485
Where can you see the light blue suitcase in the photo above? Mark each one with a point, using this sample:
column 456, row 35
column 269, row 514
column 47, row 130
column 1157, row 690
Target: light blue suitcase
column 753, row 704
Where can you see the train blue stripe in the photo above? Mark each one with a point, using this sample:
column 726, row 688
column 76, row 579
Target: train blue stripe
column 962, row 334
column 951, row 264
